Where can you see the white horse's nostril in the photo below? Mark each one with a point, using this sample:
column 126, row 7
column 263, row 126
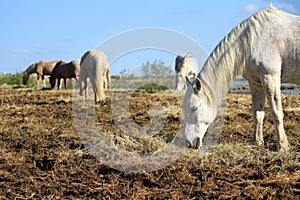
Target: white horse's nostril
column 188, row 144
column 196, row 143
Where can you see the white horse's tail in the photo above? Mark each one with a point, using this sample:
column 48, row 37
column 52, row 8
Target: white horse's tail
column 84, row 57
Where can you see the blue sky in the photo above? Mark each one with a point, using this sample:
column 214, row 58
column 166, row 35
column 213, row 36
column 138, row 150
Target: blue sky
column 34, row 30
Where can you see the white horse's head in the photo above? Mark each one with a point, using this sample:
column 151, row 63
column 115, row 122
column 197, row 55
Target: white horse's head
column 199, row 113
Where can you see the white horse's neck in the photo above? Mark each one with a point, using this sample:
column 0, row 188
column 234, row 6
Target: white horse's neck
column 229, row 57
column 222, row 66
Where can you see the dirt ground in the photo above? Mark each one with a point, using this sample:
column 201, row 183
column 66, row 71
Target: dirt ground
column 44, row 157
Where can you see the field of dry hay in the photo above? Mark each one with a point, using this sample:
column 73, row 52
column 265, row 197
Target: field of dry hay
column 44, row 157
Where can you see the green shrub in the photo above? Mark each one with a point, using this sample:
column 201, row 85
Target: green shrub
column 16, row 79
column 152, row 86
column 11, row 79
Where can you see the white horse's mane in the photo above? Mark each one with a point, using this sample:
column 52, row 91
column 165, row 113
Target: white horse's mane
column 228, row 58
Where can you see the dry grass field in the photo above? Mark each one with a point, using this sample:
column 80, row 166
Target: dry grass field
column 44, row 157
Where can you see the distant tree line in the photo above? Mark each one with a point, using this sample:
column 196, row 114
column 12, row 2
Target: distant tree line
column 156, row 68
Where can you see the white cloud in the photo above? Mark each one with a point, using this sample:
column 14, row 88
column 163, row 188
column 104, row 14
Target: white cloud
column 38, row 51
column 251, row 8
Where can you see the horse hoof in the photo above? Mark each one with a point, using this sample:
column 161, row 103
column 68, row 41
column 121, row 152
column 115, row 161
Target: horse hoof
column 283, row 148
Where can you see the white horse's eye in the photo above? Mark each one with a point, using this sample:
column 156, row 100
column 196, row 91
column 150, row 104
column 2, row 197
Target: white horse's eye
column 194, row 108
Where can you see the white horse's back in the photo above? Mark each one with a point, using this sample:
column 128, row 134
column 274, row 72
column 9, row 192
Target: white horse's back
column 290, row 46
column 277, row 47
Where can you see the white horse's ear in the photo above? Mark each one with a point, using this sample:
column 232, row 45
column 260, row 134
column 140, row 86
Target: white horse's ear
column 198, row 86
column 188, row 82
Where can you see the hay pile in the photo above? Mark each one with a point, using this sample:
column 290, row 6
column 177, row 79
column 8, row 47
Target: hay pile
column 43, row 155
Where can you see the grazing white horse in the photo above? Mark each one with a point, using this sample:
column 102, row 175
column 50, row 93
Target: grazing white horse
column 94, row 64
column 185, row 65
column 265, row 49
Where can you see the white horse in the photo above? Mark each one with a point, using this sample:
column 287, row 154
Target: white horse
column 94, row 64
column 265, row 49
column 185, row 65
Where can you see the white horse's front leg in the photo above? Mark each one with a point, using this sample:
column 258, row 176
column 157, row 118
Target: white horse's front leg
column 273, row 93
column 258, row 109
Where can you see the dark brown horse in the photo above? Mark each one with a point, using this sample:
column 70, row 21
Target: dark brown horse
column 64, row 70
column 42, row 68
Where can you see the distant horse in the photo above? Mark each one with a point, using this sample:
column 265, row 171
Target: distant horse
column 42, row 68
column 185, row 65
column 63, row 71
column 94, row 64
column 265, row 49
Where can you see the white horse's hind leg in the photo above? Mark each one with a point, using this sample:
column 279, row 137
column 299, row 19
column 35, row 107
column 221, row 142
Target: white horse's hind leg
column 258, row 108
column 272, row 89
column 100, row 88
column 105, row 82
column 94, row 86
column 83, row 86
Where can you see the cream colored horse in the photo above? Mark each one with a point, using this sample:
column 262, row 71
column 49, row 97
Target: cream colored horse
column 185, row 65
column 42, row 68
column 265, row 49
column 94, row 65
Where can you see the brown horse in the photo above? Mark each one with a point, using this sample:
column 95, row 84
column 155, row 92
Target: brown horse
column 64, row 70
column 41, row 68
